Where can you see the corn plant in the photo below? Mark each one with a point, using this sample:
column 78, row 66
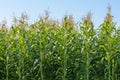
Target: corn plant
column 49, row 50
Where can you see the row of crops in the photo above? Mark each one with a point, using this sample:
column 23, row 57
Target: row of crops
column 48, row 50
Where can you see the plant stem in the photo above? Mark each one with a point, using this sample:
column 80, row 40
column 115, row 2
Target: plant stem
column 7, row 70
column 109, row 73
column 19, row 68
column 41, row 69
column 113, row 69
column 87, row 67
column 87, row 62
column 65, row 66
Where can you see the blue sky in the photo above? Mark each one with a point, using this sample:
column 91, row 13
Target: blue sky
column 58, row 8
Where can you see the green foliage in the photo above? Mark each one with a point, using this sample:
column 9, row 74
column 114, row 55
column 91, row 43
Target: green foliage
column 50, row 51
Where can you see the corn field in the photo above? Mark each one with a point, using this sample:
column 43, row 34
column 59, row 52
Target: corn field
column 49, row 50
